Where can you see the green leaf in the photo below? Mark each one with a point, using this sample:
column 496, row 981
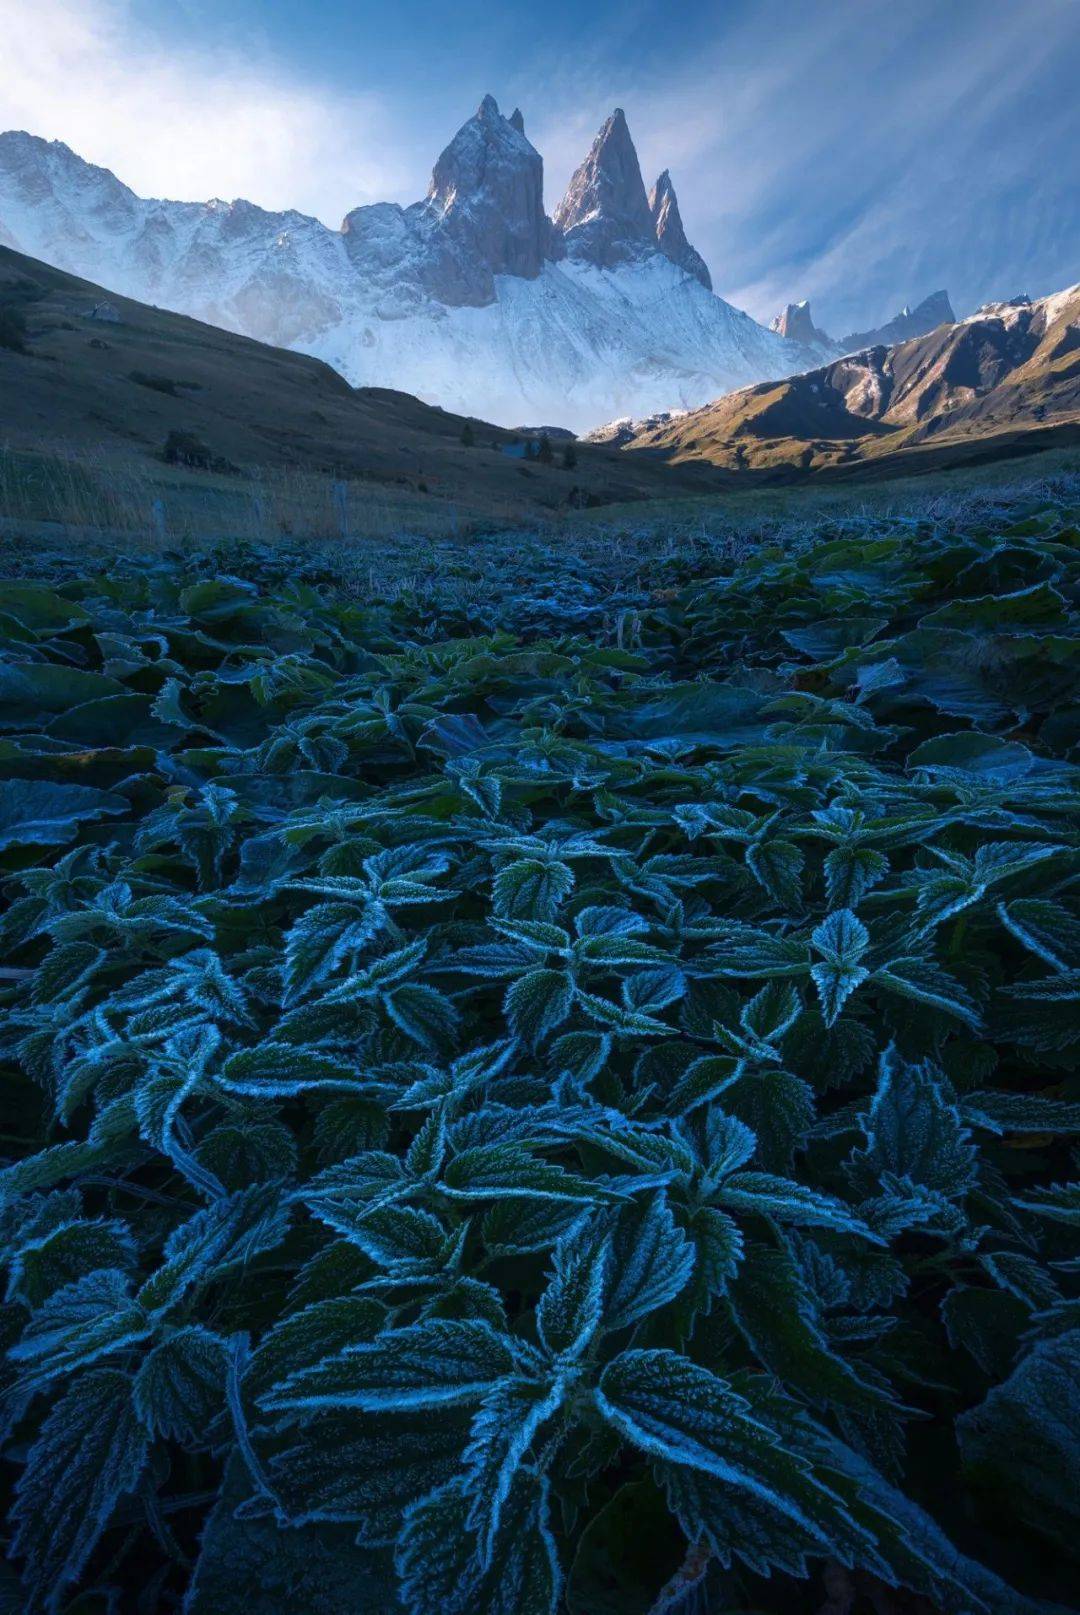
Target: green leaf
column 920, row 979
column 1020, row 1443
column 914, row 1131
column 842, row 940
column 90, row 1453
column 503, row 1428
column 424, row 1365
column 180, row 1385
column 691, row 1419
column 788, row 1202
column 502, row 1171
column 531, row 890
column 651, row 1262
column 568, row 1313
column 537, row 1003
column 35, row 813
column 441, row 1572
column 775, row 1316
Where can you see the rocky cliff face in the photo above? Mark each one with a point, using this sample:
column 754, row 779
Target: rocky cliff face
column 604, row 218
column 796, row 323
column 670, row 235
column 471, row 298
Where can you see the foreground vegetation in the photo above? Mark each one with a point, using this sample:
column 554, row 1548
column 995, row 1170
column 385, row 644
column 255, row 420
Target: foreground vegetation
column 550, row 1090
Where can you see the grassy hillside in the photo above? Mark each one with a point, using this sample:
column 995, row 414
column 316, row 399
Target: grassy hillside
column 1002, row 384
column 543, row 1077
column 88, row 406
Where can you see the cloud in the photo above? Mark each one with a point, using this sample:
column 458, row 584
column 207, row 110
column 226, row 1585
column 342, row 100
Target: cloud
column 190, row 122
column 858, row 152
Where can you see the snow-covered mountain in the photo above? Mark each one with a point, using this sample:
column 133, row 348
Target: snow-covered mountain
column 473, row 298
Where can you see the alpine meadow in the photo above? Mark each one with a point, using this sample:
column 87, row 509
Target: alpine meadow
column 539, row 808
column 531, row 1097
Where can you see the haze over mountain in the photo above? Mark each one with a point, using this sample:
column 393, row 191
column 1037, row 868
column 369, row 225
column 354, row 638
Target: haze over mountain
column 796, row 323
column 472, row 298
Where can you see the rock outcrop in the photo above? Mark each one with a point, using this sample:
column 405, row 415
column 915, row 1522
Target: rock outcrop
column 604, row 218
column 795, row 322
column 669, row 232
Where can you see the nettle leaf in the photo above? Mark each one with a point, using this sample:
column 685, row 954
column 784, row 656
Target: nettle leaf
column 425, row 1015
column 320, row 941
column 66, row 1253
column 518, row 1227
column 718, row 1250
column 230, row 1231
column 1022, row 1439
column 249, row 1565
column 1002, row 1112
column 851, row 872
column 507, row 1171
column 440, row 1570
column 651, row 1262
column 503, row 1429
column 914, row 1130
column 180, row 1386
column 537, row 1003
column 842, row 940
column 402, row 1237
column 775, row 1315
column 777, row 865
column 91, row 1318
column 1045, row 928
column 529, row 889
column 283, row 1070
column 344, row 1194
column 91, row 1452
column 693, row 1420
column 321, row 1329
column 921, row 979
column 788, row 1202
column 620, row 1020
column 747, row 951
column 569, row 1311
column 1060, row 1202
column 424, row 1365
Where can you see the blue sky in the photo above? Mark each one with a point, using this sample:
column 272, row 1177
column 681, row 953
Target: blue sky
column 859, row 152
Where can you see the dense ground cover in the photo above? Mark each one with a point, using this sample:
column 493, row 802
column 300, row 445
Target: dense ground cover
column 558, row 1102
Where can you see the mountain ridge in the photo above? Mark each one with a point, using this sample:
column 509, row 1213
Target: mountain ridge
column 472, row 298
column 1008, row 372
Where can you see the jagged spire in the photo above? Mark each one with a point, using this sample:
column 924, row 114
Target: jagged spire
column 516, row 121
column 485, row 209
column 796, row 323
column 670, row 235
column 604, row 216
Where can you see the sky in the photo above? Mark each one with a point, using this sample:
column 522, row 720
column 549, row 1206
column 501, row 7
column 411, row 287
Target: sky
column 861, row 153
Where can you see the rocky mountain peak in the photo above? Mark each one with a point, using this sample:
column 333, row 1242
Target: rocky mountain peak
column 484, row 213
column 605, row 217
column 926, row 316
column 517, row 121
column 670, row 235
column 796, row 323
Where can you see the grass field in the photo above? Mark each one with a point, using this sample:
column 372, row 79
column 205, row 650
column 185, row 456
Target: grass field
column 540, row 1064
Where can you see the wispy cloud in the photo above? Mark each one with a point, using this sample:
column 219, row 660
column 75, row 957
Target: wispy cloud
column 175, row 119
column 859, row 152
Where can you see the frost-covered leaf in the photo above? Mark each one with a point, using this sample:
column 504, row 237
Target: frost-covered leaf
column 424, row 1365
column 90, row 1452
